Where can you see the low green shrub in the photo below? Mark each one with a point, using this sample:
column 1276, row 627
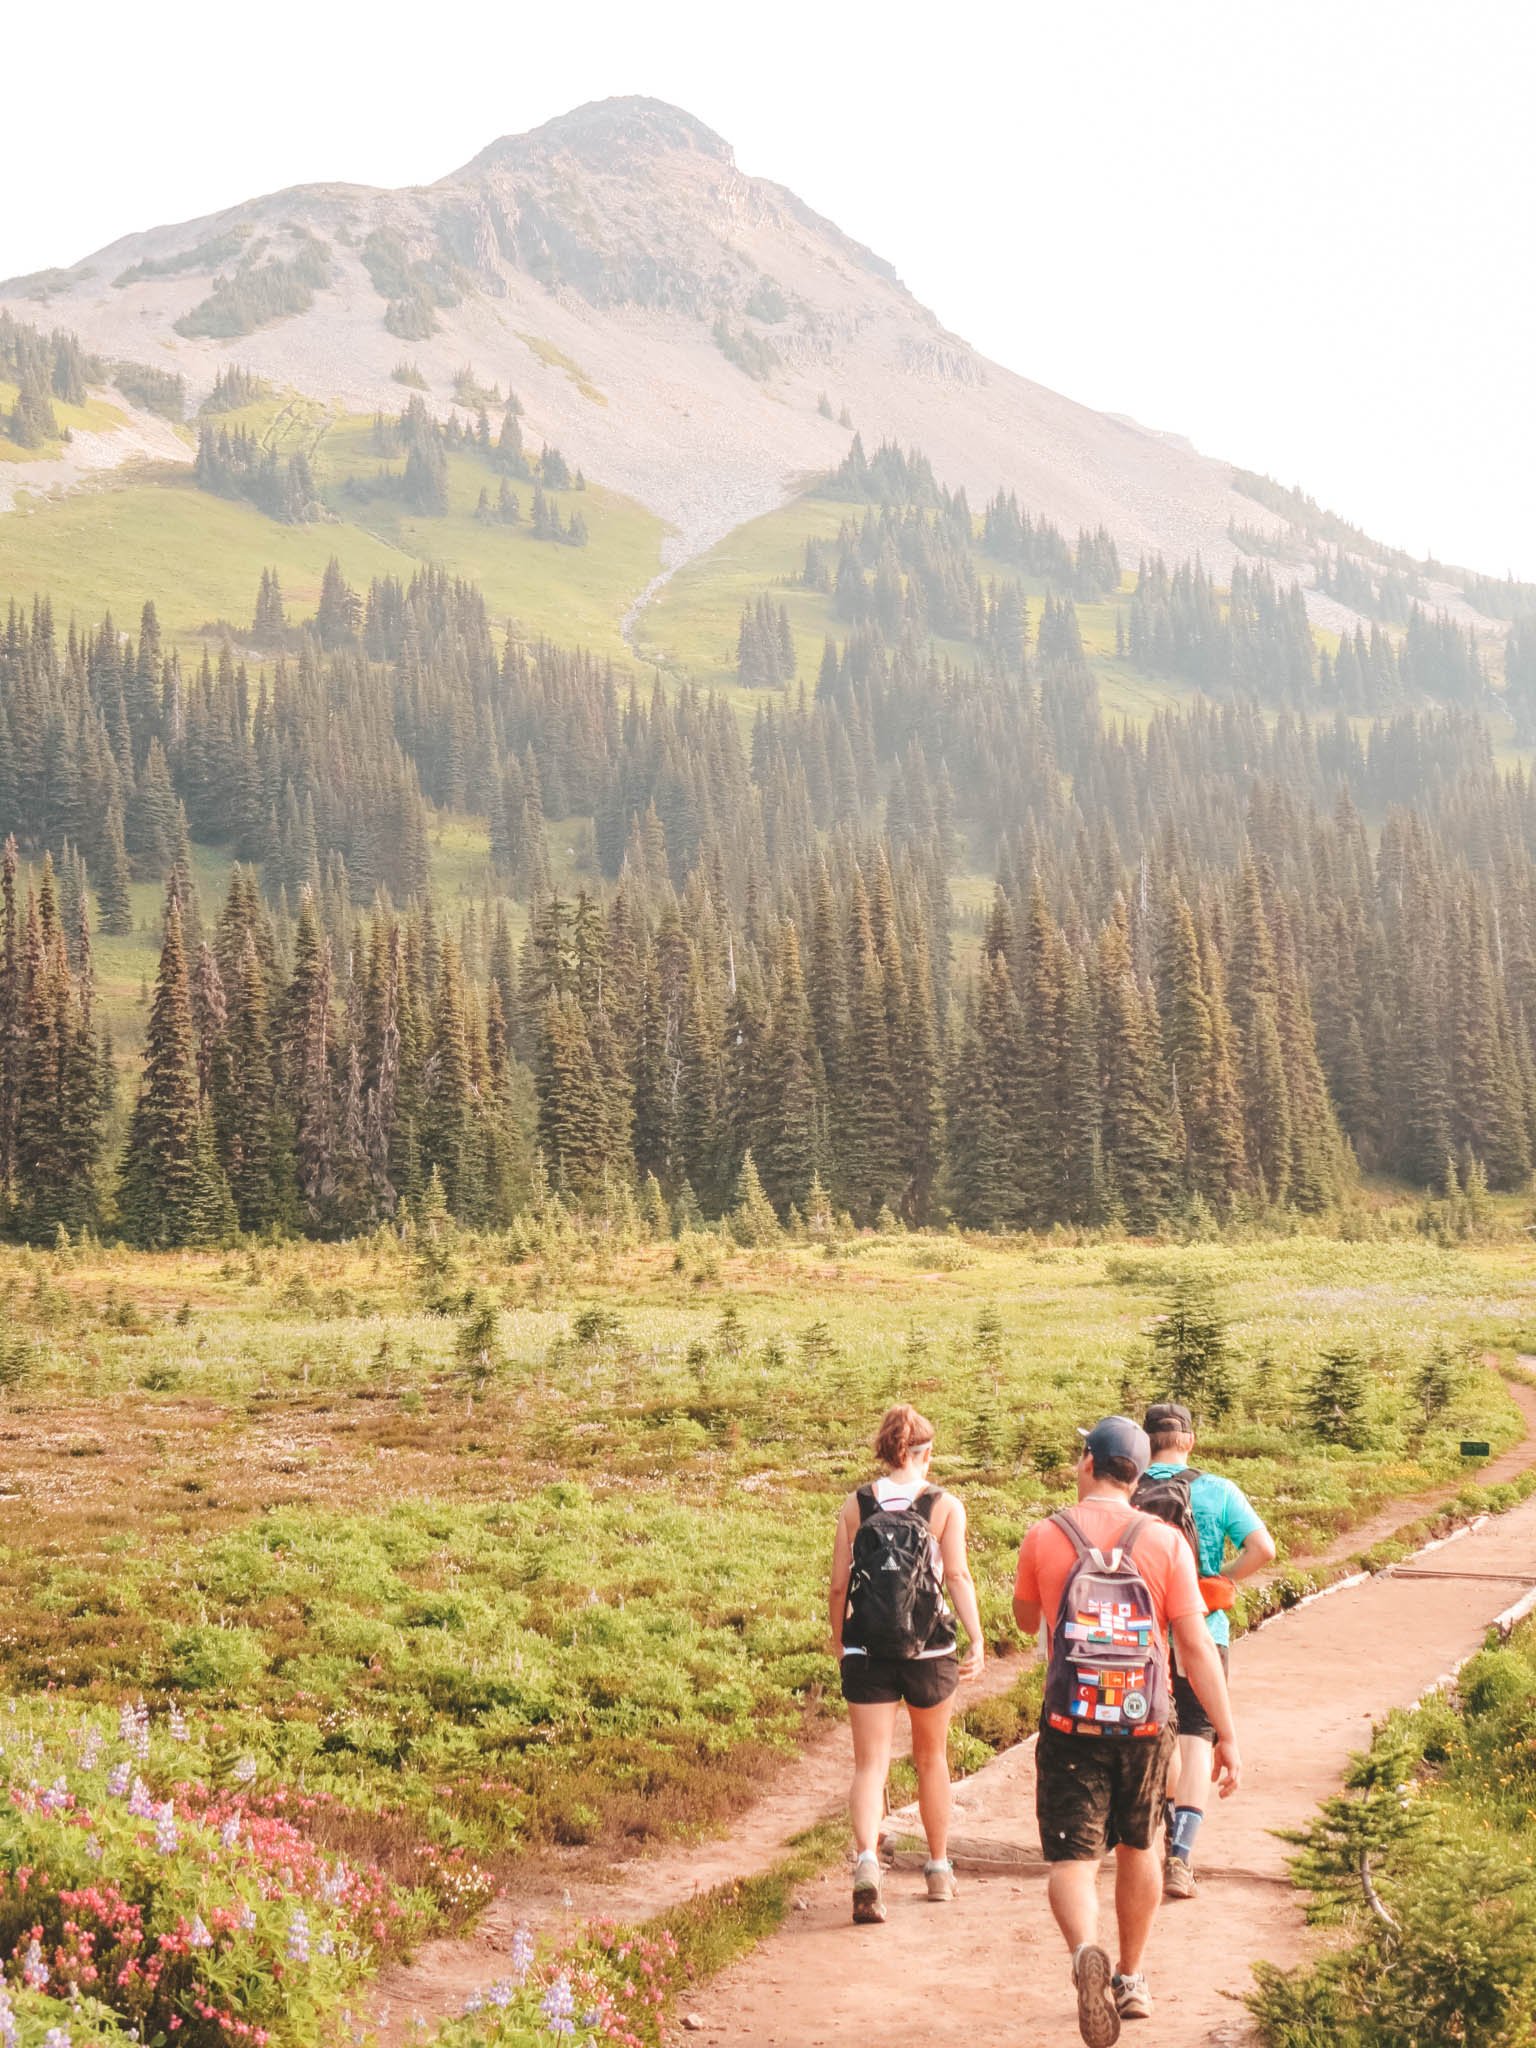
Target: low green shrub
column 1424, row 1862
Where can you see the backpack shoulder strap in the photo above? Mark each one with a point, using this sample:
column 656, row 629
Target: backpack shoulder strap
column 1066, row 1521
column 925, row 1502
column 869, row 1502
column 1132, row 1529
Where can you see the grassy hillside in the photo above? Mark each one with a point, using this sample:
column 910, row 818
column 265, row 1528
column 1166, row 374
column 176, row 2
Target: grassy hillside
column 96, row 416
column 152, row 532
column 690, row 626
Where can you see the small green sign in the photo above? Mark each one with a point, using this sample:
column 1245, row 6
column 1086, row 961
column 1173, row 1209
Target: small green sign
column 1474, row 1450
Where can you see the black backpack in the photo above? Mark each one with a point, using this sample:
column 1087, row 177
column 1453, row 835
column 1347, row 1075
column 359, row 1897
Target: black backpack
column 896, row 1605
column 1168, row 1499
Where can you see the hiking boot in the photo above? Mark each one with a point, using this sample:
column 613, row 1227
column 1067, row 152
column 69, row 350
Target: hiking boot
column 1098, row 2016
column 941, row 1882
column 1133, row 2001
column 1178, row 1878
column 868, row 1906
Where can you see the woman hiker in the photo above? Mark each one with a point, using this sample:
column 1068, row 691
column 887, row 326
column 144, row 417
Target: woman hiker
column 898, row 1561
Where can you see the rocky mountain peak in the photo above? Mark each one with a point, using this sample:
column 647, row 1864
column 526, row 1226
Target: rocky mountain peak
column 613, row 135
column 695, row 336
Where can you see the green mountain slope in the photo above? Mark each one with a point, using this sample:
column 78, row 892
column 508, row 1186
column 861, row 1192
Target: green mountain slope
column 691, row 626
column 151, row 530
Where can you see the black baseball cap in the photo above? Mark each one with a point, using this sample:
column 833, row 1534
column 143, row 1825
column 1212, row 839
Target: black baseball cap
column 1166, row 1417
column 1118, row 1437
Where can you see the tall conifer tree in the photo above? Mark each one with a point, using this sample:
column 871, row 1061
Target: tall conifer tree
column 171, row 1190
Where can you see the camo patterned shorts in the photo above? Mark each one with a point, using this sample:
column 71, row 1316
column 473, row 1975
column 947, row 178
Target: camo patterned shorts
column 1094, row 1792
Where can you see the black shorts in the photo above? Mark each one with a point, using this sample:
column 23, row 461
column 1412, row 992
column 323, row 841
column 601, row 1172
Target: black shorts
column 1096, row 1792
column 1193, row 1719
column 920, row 1681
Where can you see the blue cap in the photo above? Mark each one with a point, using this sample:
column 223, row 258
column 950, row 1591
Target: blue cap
column 1118, row 1437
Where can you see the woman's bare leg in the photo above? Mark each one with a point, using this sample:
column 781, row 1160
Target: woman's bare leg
column 874, row 1731
column 930, row 1756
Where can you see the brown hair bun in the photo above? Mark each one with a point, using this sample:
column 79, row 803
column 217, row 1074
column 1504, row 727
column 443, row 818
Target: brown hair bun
column 902, row 1431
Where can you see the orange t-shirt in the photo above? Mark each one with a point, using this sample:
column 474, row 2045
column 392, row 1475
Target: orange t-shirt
column 1162, row 1556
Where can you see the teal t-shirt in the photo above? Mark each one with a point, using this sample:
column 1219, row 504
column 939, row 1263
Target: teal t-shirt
column 1223, row 1514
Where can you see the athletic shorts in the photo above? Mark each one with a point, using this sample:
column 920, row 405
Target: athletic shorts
column 1095, row 1792
column 920, row 1681
column 1193, row 1719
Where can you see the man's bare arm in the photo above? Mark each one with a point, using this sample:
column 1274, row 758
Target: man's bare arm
column 1258, row 1550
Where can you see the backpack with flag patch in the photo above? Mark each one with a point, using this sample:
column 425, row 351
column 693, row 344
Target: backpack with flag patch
column 896, row 1604
column 1108, row 1668
column 1167, row 1497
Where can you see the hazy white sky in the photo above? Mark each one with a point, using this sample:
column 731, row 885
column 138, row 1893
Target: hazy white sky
column 1298, row 231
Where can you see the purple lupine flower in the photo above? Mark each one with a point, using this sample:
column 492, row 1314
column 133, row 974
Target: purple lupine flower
column 198, row 1935
column 8, row 2034
column 522, row 1955
column 56, row 1798
column 178, row 1725
column 501, row 1993
column 140, row 1805
column 56, row 2037
column 558, row 2006
column 165, row 1829
column 229, row 1834
column 133, row 1728
column 298, row 1936
column 34, row 1971
column 245, row 1770
column 326, row 1945
column 90, row 1749
column 247, row 1919
column 117, row 1780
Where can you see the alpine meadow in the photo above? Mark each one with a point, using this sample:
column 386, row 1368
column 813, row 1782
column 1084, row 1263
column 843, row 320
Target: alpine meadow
column 618, row 854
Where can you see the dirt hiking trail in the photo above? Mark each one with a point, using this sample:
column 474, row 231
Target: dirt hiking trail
column 1307, row 1687
column 812, row 1786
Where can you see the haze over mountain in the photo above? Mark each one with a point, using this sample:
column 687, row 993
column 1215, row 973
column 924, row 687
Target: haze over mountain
column 685, row 333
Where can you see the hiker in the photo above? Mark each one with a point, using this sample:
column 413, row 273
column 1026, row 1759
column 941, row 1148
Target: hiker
column 900, row 1550
column 1211, row 1513
column 1108, row 1583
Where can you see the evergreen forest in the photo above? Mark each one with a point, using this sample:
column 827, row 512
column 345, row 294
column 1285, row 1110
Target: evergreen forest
column 924, row 936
